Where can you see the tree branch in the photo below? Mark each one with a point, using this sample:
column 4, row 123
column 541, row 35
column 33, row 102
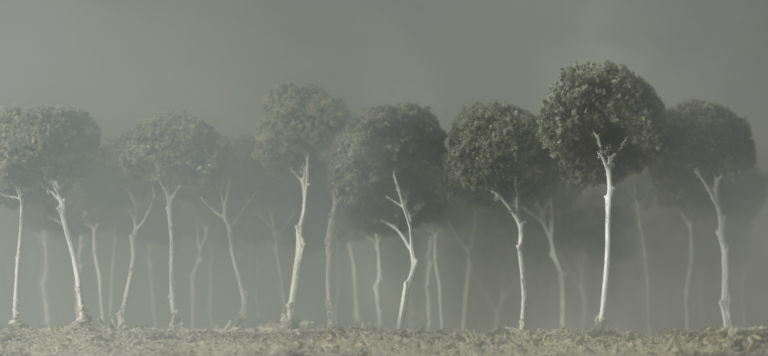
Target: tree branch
column 399, row 233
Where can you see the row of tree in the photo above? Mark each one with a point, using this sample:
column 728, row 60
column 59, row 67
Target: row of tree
column 386, row 171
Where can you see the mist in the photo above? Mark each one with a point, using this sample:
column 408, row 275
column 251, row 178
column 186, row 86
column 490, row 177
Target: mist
column 124, row 61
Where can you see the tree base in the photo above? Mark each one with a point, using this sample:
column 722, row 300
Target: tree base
column 16, row 323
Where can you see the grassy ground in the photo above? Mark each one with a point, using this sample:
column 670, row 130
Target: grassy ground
column 93, row 340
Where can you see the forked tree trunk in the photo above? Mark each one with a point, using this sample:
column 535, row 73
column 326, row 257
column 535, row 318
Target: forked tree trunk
column 328, row 244
column 44, row 279
column 644, row 255
column 151, row 281
column 514, row 211
column 15, row 317
column 376, row 287
column 169, row 196
column 199, row 244
column 427, row 290
column 353, row 269
column 110, row 295
column 438, row 283
column 222, row 214
column 688, row 271
column 725, row 293
column 408, row 242
column 287, row 316
column 54, row 190
column 94, row 253
column 546, row 218
column 496, row 306
column 136, row 224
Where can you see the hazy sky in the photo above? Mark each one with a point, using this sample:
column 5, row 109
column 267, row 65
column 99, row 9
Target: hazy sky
column 122, row 60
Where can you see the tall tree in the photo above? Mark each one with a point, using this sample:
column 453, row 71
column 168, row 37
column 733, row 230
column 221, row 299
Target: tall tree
column 300, row 124
column 383, row 174
column 601, row 108
column 171, row 149
column 706, row 143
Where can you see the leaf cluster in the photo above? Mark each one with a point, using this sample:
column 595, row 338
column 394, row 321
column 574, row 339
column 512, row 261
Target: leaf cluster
column 607, row 99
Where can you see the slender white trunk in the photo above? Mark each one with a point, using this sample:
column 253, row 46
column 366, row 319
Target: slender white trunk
column 110, row 295
column 200, row 244
column 514, row 211
column 644, row 255
column 97, row 268
column 353, row 268
column 546, row 218
column 376, row 287
column 287, row 316
column 688, row 271
column 44, row 278
column 169, row 196
column 725, row 293
column 151, row 280
column 600, row 318
column 128, row 278
column 81, row 316
column 15, row 318
column 427, row 290
column 210, row 290
column 438, row 283
column 79, row 254
column 328, row 244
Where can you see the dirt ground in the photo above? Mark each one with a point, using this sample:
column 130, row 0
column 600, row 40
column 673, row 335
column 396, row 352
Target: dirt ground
column 272, row 340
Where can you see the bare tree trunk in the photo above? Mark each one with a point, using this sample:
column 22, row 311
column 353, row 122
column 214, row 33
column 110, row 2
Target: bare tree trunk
column 287, row 316
column 276, row 233
column 54, row 190
column 644, row 254
column 44, row 278
column 438, row 283
column 467, row 248
column 329, row 232
column 514, row 211
column 200, row 244
column 376, row 287
column 151, row 280
column 97, row 268
column 210, row 290
column 353, row 268
column 222, row 214
column 110, row 297
column 128, row 279
column 427, row 290
column 15, row 318
column 169, row 196
column 78, row 256
column 546, row 218
column 725, row 293
column 688, row 271
column 136, row 224
column 408, row 242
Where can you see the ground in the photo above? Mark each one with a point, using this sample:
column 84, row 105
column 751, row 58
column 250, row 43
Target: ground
column 272, row 340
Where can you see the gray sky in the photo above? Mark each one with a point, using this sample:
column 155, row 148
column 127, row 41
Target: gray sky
column 122, row 60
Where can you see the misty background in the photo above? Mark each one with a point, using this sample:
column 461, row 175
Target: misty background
column 123, row 61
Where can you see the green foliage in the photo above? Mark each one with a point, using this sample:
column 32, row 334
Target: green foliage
column 299, row 121
column 704, row 136
column 172, row 148
column 405, row 138
column 495, row 146
column 607, row 99
column 45, row 143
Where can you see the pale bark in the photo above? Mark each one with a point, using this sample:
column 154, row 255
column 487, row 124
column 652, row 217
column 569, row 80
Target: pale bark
column 110, row 295
column 136, row 224
column 688, row 271
column 514, row 211
column 546, row 218
column 427, row 290
column 54, row 190
column 353, row 269
column 287, row 316
column 15, row 317
column 276, row 233
column 94, row 253
column 200, row 240
column 408, row 242
column 376, row 287
column 644, row 255
column 328, row 244
column 169, row 196
column 725, row 293
column 151, row 280
column 44, row 278
column 222, row 214
column 438, row 283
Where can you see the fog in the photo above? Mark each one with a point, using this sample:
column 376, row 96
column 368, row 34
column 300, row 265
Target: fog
column 123, row 61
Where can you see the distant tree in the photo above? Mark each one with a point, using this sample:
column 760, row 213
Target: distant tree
column 706, row 142
column 172, row 149
column 300, row 124
column 494, row 152
column 403, row 143
column 601, row 108
column 47, row 146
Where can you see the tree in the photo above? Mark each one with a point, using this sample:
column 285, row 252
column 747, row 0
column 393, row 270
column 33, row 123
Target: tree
column 171, row 149
column 706, row 143
column 494, row 148
column 47, row 146
column 403, row 143
column 300, row 124
column 601, row 108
